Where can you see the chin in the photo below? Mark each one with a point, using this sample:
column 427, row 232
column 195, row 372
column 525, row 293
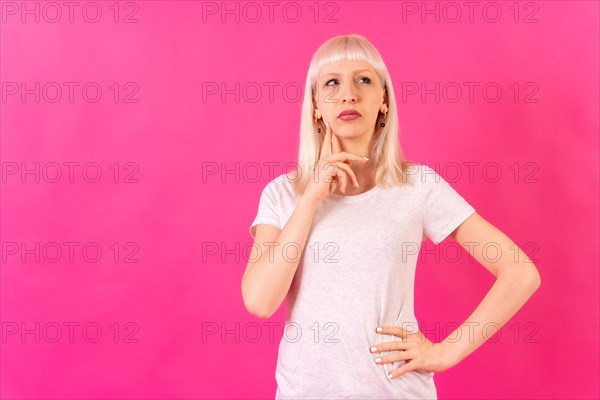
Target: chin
column 350, row 130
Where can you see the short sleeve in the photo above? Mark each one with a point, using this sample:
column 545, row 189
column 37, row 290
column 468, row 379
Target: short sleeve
column 444, row 209
column 268, row 208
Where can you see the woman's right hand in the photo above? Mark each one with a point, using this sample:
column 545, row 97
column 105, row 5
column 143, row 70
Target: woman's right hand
column 331, row 168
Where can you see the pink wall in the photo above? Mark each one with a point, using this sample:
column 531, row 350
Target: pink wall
column 172, row 224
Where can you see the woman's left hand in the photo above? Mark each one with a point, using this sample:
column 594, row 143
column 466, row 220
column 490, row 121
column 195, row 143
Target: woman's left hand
column 419, row 352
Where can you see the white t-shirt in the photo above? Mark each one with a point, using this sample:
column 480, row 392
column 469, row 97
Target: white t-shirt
column 356, row 273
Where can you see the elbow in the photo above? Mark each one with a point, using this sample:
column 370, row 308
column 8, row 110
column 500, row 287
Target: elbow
column 533, row 278
column 257, row 311
column 536, row 280
column 263, row 314
column 526, row 275
column 255, row 307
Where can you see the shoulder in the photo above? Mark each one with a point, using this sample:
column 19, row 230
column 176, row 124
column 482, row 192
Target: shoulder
column 283, row 180
column 282, row 186
column 422, row 173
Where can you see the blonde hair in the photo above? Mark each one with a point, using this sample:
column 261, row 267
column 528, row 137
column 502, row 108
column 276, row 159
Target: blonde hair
column 391, row 167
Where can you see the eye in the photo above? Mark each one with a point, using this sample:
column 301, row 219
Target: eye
column 368, row 80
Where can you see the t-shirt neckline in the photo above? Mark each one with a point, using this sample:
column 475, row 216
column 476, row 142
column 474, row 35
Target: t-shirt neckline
column 352, row 198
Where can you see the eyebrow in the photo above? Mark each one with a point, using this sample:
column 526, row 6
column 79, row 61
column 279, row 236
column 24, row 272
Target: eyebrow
column 355, row 72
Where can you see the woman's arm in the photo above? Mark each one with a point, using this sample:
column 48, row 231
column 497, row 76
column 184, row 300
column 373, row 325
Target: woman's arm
column 517, row 279
column 272, row 266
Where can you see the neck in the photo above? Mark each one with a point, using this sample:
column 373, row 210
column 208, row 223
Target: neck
column 365, row 172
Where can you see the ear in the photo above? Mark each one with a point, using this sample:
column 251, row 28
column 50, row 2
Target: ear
column 317, row 114
column 315, row 106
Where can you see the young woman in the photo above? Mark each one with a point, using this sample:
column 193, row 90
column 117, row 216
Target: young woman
column 340, row 238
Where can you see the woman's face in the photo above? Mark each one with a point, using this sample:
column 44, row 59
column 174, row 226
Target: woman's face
column 350, row 85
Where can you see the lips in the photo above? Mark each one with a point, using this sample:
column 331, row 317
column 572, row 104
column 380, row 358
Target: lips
column 349, row 112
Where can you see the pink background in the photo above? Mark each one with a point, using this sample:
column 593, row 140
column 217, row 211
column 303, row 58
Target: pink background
column 176, row 214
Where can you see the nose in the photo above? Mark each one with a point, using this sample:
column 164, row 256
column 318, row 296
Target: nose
column 348, row 93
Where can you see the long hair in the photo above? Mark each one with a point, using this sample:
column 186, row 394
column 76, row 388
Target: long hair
column 391, row 167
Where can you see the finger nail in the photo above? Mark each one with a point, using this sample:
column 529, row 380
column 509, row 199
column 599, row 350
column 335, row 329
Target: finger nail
column 366, row 158
column 327, row 124
column 379, row 329
column 390, row 375
column 378, row 359
column 373, row 349
column 356, row 184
